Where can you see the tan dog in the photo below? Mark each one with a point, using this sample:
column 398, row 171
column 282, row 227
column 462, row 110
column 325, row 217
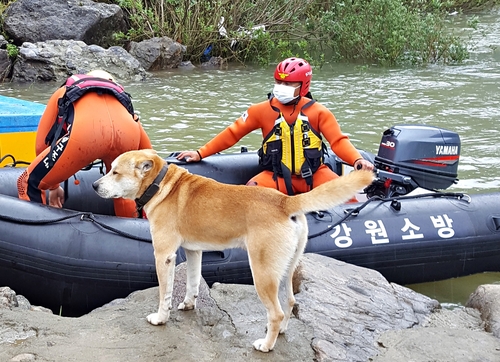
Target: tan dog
column 199, row 213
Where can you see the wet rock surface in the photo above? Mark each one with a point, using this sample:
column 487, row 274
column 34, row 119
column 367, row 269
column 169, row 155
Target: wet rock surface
column 343, row 313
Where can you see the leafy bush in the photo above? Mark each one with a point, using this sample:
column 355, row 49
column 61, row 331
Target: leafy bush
column 12, row 51
column 387, row 32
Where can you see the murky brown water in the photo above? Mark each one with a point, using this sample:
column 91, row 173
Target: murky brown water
column 184, row 109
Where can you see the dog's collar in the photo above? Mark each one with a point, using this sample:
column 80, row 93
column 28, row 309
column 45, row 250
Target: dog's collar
column 151, row 190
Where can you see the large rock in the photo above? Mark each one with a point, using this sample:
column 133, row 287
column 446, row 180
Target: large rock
column 158, row 53
column 40, row 20
column 349, row 310
column 55, row 60
column 486, row 299
column 60, row 38
column 5, row 64
column 344, row 313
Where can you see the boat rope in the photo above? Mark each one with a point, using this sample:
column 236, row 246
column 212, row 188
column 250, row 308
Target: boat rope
column 14, row 161
column 90, row 217
column 39, row 222
column 319, row 215
column 83, row 216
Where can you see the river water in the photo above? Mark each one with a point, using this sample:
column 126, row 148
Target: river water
column 182, row 109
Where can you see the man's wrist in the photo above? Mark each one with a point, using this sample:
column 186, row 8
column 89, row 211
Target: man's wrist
column 355, row 162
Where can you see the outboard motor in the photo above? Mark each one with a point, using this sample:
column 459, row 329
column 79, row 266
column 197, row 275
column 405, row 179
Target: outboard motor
column 412, row 156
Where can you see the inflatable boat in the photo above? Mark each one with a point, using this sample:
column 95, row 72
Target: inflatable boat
column 78, row 258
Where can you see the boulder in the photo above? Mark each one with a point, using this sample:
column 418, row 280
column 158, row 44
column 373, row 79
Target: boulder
column 486, row 299
column 41, row 20
column 55, row 60
column 5, row 63
column 343, row 313
column 157, row 53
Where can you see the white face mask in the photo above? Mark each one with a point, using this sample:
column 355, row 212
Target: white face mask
column 284, row 93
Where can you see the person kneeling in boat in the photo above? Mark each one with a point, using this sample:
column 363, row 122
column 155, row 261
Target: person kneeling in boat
column 292, row 124
column 90, row 117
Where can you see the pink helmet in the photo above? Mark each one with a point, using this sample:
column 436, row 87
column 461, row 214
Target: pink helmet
column 295, row 70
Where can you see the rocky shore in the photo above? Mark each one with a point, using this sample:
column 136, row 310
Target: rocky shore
column 36, row 46
column 343, row 313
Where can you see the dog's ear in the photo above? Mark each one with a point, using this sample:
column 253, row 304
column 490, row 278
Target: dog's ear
column 145, row 166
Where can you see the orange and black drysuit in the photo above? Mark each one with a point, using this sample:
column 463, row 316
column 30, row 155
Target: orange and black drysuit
column 294, row 132
column 97, row 126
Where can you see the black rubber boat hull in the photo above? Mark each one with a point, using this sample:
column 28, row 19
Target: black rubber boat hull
column 79, row 263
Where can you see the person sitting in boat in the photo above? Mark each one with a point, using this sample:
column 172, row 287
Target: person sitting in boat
column 90, row 117
column 292, row 123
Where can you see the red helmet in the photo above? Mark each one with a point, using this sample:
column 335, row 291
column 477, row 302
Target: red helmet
column 295, row 70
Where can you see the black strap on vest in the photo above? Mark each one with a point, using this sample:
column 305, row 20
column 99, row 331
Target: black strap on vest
column 75, row 91
column 150, row 191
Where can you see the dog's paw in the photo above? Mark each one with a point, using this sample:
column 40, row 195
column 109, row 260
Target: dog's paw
column 155, row 319
column 260, row 345
column 185, row 306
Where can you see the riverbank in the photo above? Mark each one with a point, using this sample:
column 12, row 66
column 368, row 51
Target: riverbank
column 343, row 313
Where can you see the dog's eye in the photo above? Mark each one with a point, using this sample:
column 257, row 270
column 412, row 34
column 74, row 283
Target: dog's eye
column 115, row 173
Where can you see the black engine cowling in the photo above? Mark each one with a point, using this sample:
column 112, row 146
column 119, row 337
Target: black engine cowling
column 412, row 156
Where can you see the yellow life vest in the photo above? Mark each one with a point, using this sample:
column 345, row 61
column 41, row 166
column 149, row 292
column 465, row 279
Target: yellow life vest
column 292, row 149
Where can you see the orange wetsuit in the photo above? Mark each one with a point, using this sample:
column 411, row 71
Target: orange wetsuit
column 102, row 128
column 263, row 116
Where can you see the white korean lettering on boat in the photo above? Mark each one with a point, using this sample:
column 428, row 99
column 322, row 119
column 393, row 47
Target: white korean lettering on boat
column 342, row 241
column 377, row 231
column 444, row 224
column 410, row 228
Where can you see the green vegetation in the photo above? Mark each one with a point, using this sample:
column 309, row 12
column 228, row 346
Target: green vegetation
column 12, row 51
column 386, row 32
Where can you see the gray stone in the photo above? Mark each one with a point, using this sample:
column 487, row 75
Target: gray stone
column 55, row 60
column 486, row 299
column 343, row 313
column 3, row 42
column 158, row 53
column 5, row 64
column 41, row 20
column 57, row 39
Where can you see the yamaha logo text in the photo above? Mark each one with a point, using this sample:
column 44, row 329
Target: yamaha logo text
column 446, row 150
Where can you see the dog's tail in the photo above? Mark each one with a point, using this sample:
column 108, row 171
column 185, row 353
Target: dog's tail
column 329, row 194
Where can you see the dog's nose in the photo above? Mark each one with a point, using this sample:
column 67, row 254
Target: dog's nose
column 95, row 185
